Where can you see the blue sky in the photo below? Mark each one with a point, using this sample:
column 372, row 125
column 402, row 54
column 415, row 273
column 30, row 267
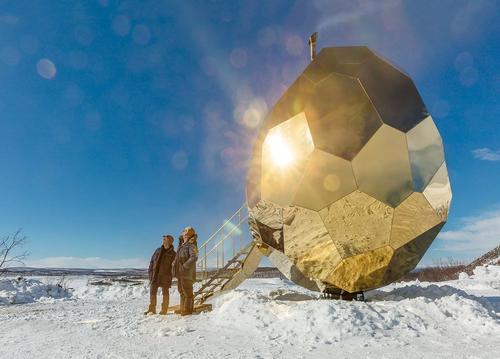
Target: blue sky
column 124, row 120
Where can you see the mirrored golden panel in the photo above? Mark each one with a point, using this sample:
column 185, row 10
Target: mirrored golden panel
column 320, row 68
column 438, row 192
column 406, row 258
column 341, row 116
column 309, row 246
column 342, row 60
column 284, row 154
column 392, row 93
column 292, row 103
column 349, row 54
column 382, row 167
column 412, row 217
column 426, row 152
column 363, row 271
column 290, row 270
column 358, row 223
column 347, row 185
column 268, row 213
column 326, row 179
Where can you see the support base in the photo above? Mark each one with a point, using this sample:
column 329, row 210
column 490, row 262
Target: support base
column 340, row 294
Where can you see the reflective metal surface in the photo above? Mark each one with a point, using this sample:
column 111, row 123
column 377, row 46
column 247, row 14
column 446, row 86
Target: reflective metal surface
column 290, row 270
column 382, row 167
column 392, row 93
column 327, row 178
column 407, row 257
column 347, row 185
column 309, row 245
column 412, row 218
column 291, row 103
column 438, row 192
column 363, row 271
column 268, row 213
column 341, row 116
column 426, row 152
column 284, row 154
column 358, row 223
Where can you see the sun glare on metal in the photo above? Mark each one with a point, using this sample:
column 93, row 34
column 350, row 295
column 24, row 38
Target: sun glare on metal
column 281, row 152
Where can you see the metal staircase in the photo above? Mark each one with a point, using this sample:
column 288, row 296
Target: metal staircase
column 226, row 258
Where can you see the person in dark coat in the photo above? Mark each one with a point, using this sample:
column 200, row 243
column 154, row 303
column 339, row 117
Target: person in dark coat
column 185, row 269
column 160, row 274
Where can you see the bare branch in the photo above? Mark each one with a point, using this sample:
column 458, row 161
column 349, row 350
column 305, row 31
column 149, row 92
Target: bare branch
column 8, row 246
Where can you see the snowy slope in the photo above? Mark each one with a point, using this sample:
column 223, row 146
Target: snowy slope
column 264, row 318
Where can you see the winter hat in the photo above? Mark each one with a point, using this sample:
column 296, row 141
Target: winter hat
column 189, row 231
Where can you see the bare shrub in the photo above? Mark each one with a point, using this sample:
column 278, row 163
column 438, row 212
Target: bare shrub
column 440, row 271
column 9, row 251
column 490, row 258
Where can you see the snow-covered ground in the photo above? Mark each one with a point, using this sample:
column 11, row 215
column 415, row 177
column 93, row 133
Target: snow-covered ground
column 264, row 318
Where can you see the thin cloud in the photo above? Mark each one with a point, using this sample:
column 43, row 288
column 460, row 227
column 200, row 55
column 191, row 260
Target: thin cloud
column 87, row 262
column 486, row 154
column 356, row 13
column 479, row 233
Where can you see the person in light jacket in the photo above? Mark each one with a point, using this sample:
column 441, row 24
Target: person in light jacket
column 185, row 269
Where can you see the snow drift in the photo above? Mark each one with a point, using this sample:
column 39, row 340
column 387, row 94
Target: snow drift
column 22, row 290
column 264, row 318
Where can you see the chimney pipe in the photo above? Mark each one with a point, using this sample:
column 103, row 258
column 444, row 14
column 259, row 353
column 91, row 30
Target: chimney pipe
column 312, row 45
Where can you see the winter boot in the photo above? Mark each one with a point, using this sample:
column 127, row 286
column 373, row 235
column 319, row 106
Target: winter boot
column 188, row 307
column 164, row 308
column 182, row 305
column 151, row 309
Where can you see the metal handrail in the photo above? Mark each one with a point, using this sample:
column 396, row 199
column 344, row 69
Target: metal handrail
column 218, row 247
column 221, row 227
column 224, row 238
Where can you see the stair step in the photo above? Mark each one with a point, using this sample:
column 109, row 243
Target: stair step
column 225, row 238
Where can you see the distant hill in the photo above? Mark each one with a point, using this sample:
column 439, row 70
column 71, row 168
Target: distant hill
column 134, row 273
column 29, row 271
column 490, row 258
column 438, row 273
column 451, row 270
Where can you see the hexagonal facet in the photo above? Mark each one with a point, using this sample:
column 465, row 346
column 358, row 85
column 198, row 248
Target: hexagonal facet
column 407, row 257
column 358, row 223
column 438, row 192
column 290, row 270
column 284, row 153
column 309, row 246
column 363, row 271
column 392, row 93
column 347, row 185
column 327, row 178
column 292, row 103
column 268, row 213
column 412, row 217
column 341, row 116
column 382, row 167
column 343, row 60
column 426, row 152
